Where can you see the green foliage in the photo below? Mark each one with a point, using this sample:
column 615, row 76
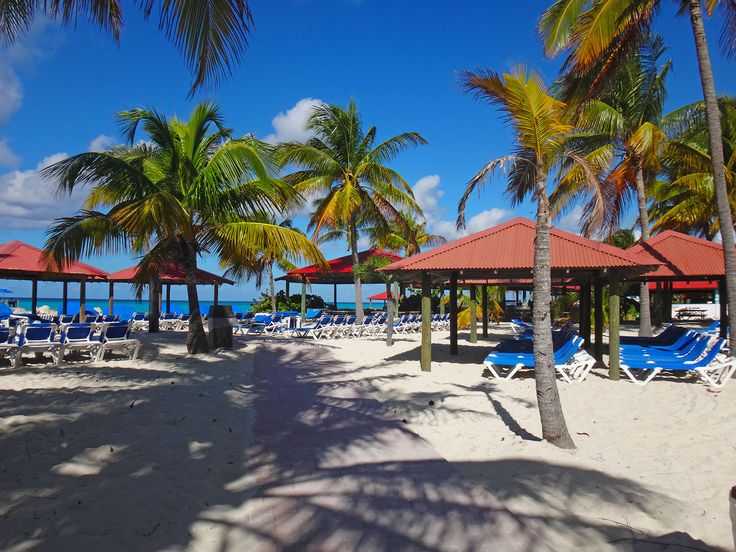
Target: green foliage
column 413, row 302
column 284, row 303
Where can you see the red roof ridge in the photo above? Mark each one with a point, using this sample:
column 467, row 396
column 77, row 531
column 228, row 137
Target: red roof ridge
column 657, row 238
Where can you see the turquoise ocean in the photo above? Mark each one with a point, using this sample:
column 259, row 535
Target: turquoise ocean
column 126, row 307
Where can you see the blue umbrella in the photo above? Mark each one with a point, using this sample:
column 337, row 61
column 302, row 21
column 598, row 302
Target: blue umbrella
column 6, row 291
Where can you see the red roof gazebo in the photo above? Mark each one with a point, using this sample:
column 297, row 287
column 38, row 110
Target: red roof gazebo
column 506, row 251
column 22, row 261
column 172, row 275
column 339, row 271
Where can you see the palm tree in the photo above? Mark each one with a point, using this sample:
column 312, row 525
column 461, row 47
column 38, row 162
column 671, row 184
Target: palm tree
column 684, row 199
column 212, row 35
column 263, row 263
column 348, row 171
column 190, row 188
column 540, row 133
column 369, row 270
column 600, row 34
column 619, row 133
column 409, row 238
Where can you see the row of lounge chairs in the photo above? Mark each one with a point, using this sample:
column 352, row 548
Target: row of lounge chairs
column 58, row 341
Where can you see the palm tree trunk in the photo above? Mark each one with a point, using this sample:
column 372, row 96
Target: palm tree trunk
column 272, row 287
column 390, row 316
column 554, row 428
column 353, row 236
column 645, row 313
column 196, row 338
column 715, row 139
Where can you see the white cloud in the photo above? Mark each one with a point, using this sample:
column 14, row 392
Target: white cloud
column 476, row 223
column 571, row 221
column 30, row 201
column 101, row 142
column 7, row 157
column 291, row 125
column 428, row 195
column 11, row 91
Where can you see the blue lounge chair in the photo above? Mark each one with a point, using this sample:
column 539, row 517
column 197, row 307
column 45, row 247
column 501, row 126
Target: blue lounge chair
column 39, row 338
column 315, row 330
column 78, row 337
column 709, row 367
column 117, row 336
column 8, row 346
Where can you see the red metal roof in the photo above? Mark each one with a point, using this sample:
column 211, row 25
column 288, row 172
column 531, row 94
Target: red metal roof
column 19, row 259
column 510, row 246
column 680, row 256
column 689, row 286
column 343, row 265
column 172, row 275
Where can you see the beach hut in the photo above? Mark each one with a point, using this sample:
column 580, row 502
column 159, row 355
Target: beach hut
column 339, row 271
column 22, row 261
column 684, row 260
column 172, row 275
column 506, row 252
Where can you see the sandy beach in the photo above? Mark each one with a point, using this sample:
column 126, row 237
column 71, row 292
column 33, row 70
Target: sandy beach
column 157, row 454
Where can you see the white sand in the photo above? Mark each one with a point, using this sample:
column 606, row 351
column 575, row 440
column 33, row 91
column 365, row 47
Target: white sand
column 658, row 459
column 83, row 449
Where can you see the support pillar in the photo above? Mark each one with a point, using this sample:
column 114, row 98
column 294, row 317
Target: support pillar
column 585, row 314
column 303, row 307
column 83, row 301
column 153, row 306
column 453, row 313
column 426, row 355
column 217, row 294
column 473, row 316
column 442, row 295
column 614, row 316
column 334, row 295
column 668, row 302
column 484, row 307
column 168, row 297
column 287, row 290
column 723, row 307
column 111, row 298
column 598, row 300
column 34, row 296
column 65, row 298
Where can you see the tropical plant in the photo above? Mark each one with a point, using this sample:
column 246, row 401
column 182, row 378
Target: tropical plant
column 283, row 303
column 188, row 189
column 408, row 238
column 540, row 133
column 495, row 310
column 684, row 200
column 263, row 262
column 347, row 170
column 599, row 35
column 618, row 132
column 212, row 36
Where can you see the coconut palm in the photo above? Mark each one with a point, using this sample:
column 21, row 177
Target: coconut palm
column 684, row 200
column 344, row 167
column 188, row 189
column 212, row 36
column 600, row 34
column 619, row 133
column 263, row 262
column 408, row 238
column 540, row 134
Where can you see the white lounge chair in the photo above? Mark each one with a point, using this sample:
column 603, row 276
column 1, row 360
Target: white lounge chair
column 116, row 336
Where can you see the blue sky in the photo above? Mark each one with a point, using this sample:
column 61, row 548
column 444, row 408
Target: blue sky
column 60, row 89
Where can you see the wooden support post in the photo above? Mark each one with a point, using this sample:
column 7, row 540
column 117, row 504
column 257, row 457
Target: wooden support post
column 64, row 298
column 723, row 307
column 426, row 355
column 303, row 307
column 453, row 313
column 334, row 295
column 484, row 307
column 598, row 300
column 614, row 316
column 160, row 295
column 668, row 302
column 442, row 295
column 217, row 294
column 34, row 295
column 473, row 316
column 287, row 290
column 83, row 301
column 111, row 298
column 153, row 306
column 168, row 297
column 585, row 314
